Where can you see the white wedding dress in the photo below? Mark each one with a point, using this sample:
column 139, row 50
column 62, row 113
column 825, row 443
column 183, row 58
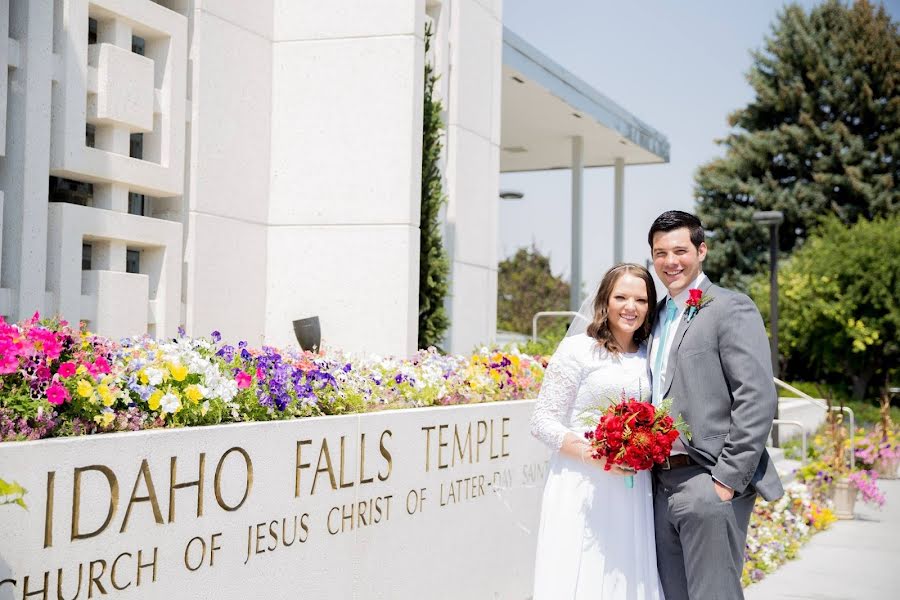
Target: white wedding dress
column 596, row 539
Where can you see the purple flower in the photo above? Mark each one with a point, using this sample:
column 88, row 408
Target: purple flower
column 227, row 352
column 216, row 336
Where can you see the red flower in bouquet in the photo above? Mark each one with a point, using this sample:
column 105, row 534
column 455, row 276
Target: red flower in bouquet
column 634, row 434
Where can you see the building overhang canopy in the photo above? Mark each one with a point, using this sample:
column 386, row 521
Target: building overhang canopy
column 544, row 106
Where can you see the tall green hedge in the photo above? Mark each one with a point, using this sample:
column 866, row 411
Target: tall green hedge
column 434, row 266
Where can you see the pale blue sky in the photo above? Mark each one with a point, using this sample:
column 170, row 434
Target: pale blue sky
column 679, row 66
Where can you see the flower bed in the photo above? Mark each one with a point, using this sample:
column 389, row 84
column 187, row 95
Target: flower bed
column 57, row 381
column 778, row 529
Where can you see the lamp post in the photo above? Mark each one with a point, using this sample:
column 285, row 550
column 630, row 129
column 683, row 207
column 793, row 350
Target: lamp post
column 772, row 218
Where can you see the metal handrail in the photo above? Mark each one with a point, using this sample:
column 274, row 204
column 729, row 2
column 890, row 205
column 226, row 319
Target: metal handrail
column 800, row 426
column 820, row 404
column 548, row 313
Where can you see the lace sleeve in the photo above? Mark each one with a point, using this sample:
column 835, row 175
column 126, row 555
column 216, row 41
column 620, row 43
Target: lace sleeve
column 558, row 391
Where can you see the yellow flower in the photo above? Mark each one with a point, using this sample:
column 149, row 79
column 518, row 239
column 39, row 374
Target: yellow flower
column 85, row 389
column 179, row 372
column 144, row 379
column 193, row 393
column 105, row 395
column 155, row 397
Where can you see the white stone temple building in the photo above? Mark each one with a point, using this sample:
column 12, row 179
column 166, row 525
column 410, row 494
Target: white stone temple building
column 236, row 165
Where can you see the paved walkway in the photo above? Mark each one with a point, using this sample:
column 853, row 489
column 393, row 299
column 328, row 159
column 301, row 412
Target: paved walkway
column 854, row 560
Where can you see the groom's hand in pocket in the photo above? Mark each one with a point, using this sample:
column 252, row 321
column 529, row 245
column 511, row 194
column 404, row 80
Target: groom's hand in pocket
column 724, row 492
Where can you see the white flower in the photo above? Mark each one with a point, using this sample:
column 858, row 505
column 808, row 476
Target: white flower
column 169, row 403
column 154, row 375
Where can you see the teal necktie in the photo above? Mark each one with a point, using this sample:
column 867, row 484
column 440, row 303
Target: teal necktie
column 671, row 309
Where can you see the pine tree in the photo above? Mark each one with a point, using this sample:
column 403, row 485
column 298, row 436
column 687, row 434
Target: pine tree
column 434, row 267
column 821, row 137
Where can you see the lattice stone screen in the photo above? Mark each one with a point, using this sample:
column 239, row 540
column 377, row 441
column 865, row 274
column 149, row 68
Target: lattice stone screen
column 113, row 75
column 120, row 93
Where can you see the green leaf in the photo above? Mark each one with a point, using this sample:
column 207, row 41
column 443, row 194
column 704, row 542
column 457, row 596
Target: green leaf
column 12, row 493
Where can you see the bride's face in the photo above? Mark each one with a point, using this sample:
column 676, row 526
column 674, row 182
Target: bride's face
column 628, row 305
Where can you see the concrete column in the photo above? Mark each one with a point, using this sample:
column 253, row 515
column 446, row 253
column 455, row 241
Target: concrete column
column 577, row 212
column 111, row 196
column 64, row 275
column 116, row 32
column 24, row 172
column 108, row 255
column 619, row 212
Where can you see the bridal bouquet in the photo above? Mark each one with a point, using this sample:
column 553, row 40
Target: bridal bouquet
column 634, row 435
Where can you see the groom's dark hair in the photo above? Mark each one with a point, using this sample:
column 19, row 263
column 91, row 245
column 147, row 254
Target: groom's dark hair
column 676, row 219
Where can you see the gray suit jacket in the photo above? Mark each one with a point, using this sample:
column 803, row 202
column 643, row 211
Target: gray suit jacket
column 719, row 376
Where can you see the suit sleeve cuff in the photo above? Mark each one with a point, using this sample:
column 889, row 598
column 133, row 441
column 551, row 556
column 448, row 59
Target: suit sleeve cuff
column 722, row 483
column 725, row 476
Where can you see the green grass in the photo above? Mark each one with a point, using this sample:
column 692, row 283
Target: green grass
column 867, row 413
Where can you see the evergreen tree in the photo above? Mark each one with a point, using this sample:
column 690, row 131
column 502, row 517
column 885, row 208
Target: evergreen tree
column 821, row 137
column 434, row 266
column 526, row 285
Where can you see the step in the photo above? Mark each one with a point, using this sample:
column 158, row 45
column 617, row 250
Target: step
column 786, row 467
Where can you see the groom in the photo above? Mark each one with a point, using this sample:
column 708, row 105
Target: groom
column 710, row 355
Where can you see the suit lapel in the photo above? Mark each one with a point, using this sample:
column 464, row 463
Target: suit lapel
column 683, row 325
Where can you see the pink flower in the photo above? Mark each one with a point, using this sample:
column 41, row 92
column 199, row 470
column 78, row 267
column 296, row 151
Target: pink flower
column 45, row 341
column 42, row 373
column 100, row 365
column 9, row 361
column 66, row 370
column 57, row 394
column 242, row 379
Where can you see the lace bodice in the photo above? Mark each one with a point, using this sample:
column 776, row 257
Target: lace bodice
column 580, row 379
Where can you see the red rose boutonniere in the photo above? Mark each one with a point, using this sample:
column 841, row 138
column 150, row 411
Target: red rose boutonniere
column 695, row 302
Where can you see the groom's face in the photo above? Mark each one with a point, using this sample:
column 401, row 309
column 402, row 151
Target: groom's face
column 676, row 260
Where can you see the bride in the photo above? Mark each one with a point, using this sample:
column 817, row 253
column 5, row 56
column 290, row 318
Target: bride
column 596, row 535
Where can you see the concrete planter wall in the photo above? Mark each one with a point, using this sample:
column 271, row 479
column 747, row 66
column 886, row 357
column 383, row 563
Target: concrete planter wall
column 423, row 503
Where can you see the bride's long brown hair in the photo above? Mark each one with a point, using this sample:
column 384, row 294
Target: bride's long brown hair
column 599, row 328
